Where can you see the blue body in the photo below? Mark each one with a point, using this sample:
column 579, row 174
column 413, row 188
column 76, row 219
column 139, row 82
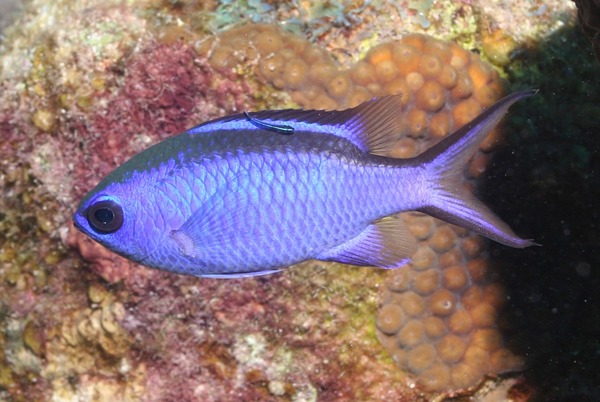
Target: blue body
column 247, row 195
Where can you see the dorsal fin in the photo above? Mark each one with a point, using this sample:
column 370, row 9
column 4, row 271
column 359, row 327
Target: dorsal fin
column 372, row 126
column 377, row 124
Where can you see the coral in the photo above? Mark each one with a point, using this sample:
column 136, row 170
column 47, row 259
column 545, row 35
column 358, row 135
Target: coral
column 98, row 325
column 453, row 307
column 91, row 342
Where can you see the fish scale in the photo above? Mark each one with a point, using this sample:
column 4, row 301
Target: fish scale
column 334, row 214
column 249, row 194
column 328, row 217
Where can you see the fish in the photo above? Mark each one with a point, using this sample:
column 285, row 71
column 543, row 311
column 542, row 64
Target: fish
column 253, row 193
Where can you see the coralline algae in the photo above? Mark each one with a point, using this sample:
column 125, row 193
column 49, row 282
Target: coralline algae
column 94, row 92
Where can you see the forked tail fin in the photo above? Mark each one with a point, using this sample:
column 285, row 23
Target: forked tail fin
column 444, row 164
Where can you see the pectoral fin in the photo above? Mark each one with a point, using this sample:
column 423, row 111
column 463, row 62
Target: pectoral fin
column 224, row 217
column 386, row 243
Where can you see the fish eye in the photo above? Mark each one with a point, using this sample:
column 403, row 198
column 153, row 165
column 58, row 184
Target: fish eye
column 105, row 216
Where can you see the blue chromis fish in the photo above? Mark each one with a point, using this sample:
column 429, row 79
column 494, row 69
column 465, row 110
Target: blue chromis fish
column 251, row 193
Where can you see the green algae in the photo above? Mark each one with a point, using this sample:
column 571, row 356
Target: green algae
column 231, row 12
column 101, row 36
column 460, row 23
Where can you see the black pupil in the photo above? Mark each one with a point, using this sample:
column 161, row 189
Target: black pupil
column 104, row 215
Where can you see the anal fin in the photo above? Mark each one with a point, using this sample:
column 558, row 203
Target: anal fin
column 386, row 243
column 238, row 275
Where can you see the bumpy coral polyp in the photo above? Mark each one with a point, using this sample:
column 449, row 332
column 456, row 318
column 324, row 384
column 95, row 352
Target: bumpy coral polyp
column 451, row 340
column 390, row 318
